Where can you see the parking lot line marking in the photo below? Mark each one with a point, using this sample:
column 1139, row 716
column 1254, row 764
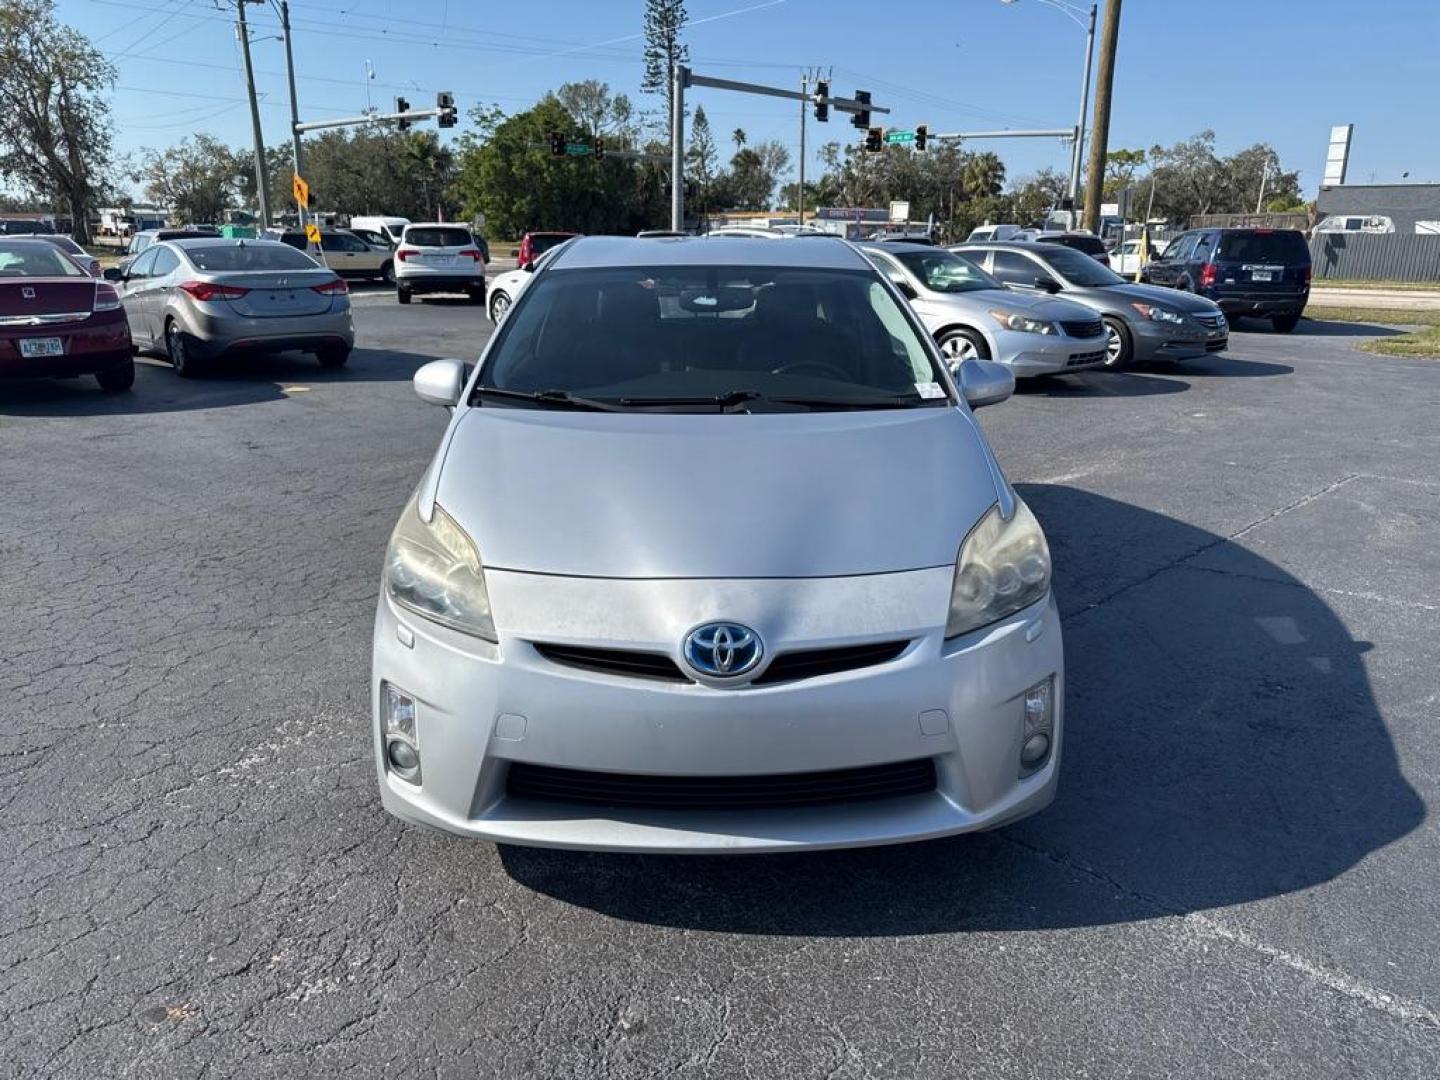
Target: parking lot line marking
column 294, row 389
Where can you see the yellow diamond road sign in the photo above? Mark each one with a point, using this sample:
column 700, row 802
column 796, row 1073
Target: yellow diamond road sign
column 312, row 233
column 301, row 190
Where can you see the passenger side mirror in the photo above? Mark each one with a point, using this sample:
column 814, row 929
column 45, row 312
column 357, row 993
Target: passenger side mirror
column 1046, row 282
column 984, row 382
column 905, row 287
column 440, row 382
column 113, row 273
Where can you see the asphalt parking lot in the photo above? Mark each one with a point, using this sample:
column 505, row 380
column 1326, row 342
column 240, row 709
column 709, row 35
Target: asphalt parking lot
column 1240, row 877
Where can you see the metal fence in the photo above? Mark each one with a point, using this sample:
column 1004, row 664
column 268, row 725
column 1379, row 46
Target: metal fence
column 1375, row 256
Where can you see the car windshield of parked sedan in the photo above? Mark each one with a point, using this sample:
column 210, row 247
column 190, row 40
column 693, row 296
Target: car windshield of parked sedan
column 219, row 258
column 709, row 339
column 35, row 259
column 1080, row 269
column 940, row 271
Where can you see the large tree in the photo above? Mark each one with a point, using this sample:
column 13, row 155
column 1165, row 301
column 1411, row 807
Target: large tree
column 597, row 110
column 196, row 178
column 664, row 21
column 373, row 170
column 54, row 120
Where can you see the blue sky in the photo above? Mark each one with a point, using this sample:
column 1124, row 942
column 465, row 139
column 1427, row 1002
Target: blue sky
column 1280, row 71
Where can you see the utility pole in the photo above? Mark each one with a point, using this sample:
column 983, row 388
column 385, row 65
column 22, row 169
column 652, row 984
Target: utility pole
column 1100, row 141
column 679, row 79
column 262, row 181
column 294, row 104
column 1077, row 152
column 804, row 107
column 1264, row 177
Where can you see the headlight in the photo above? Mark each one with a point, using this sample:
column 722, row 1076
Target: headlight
column 434, row 570
column 1013, row 320
column 1003, row 566
column 1159, row 314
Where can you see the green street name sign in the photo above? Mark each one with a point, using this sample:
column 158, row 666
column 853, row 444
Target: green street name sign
column 899, row 136
column 576, row 149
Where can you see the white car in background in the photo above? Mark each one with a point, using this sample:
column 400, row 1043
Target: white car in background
column 1125, row 259
column 505, row 288
column 437, row 257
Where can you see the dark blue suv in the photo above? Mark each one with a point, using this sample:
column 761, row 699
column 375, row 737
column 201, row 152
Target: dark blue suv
column 1261, row 272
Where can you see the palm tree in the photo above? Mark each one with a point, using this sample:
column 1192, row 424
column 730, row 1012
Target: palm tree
column 738, row 136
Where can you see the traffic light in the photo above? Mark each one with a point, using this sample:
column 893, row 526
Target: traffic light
column 445, row 102
column 922, row 135
column 598, row 148
column 862, row 119
column 822, row 101
column 402, row 106
column 557, row 144
column 874, row 140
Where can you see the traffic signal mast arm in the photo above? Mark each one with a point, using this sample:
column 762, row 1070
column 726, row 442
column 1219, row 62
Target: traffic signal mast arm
column 850, row 105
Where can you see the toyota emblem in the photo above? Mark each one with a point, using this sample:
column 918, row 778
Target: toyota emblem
column 723, row 650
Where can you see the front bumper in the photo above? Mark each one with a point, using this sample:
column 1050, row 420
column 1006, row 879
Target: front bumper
column 1157, row 340
column 1028, row 355
column 480, row 708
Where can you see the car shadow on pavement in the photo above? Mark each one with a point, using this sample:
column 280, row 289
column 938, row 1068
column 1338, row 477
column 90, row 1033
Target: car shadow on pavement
column 1100, row 384
column 1225, row 365
column 1222, row 745
column 243, row 380
column 1325, row 328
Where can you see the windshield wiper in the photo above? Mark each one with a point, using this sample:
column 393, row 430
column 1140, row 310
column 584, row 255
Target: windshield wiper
column 735, row 400
column 561, row 399
column 878, row 401
column 721, row 402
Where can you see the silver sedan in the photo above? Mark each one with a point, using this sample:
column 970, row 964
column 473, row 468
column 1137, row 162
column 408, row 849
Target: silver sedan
column 196, row 300
column 973, row 316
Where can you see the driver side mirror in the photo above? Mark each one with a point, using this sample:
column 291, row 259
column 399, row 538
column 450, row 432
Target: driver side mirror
column 905, row 287
column 441, row 382
column 984, row 382
column 1046, row 282
column 113, row 273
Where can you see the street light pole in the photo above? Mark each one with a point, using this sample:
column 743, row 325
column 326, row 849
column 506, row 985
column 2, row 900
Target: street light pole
column 1100, row 138
column 804, row 107
column 679, row 79
column 262, row 180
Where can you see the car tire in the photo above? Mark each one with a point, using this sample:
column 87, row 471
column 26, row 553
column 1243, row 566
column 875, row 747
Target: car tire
column 387, row 273
column 1283, row 324
column 1119, row 346
column 179, row 352
column 499, row 305
column 402, row 296
column 960, row 343
column 477, row 296
column 118, row 379
column 332, row 356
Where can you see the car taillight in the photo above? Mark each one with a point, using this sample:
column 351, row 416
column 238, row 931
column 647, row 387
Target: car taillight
column 1305, row 275
column 205, row 290
column 106, row 298
column 402, row 254
column 1207, row 275
column 472, row 253
column 332, row 288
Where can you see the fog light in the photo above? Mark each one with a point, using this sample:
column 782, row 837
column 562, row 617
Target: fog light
column 1039, row 730
column 398, row 710
column 1035, row 750
column 403, row 757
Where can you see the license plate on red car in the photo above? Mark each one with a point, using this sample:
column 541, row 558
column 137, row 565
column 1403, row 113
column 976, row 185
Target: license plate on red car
column 41, row 346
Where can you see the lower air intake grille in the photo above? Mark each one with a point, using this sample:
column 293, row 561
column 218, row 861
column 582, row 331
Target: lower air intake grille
column 1088, row 328
column 770, row 792
column 808, row 663
column 631, row 662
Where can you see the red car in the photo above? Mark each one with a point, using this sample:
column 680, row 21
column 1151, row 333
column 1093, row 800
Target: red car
column 535, row 244
column 57, row 321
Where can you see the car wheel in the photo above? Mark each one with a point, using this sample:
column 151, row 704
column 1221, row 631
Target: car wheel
column 1283, row 324
column 181, row 355
column 499, row 305
column 477, row 296
column 402, row 295
column 332, row 356
column 387, row 273
column 1119, row 346
column 962, row 344
column 118, row 379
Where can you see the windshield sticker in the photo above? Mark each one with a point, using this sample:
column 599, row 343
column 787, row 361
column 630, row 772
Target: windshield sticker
column 929, row 390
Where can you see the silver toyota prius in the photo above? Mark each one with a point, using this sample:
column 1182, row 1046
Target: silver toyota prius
column 713, row 557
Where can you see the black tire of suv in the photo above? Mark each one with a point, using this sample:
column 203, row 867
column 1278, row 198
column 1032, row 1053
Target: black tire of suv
column 118, row 379
column 1283, row 324
column 402, row 296
column 477, row 296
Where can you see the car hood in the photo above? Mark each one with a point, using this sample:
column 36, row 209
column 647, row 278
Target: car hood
column 724, row 496
column 1040, row 305
column 1156, row 294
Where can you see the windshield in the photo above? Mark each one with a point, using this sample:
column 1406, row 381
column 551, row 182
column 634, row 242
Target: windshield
column 266, row 255
column 940, row 271
column 694, row 338
column 1078, row 268
column 35, row 260
column 1281, row 246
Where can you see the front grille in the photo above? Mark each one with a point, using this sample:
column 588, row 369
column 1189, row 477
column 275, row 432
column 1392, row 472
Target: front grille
column 1079, row 359
column 631, row 662
column 1210, row 321
column 1086, row 328
column 765, row 792
column 809, row 663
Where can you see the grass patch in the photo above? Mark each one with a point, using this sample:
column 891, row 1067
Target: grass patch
column 1421, row 343
column 1381, row 316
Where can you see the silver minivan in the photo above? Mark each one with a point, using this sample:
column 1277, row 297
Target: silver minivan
column 713, row 557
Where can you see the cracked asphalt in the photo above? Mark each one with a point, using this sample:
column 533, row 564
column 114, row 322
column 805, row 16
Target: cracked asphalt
column 1238, row 879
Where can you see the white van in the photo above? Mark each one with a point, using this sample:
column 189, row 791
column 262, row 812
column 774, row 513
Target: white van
column 388, row 227
column 989, row 233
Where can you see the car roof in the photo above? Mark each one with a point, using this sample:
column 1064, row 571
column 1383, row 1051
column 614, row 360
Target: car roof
column 185, row 244
column 889, row 247
column 606, row 251
column 1033, row 246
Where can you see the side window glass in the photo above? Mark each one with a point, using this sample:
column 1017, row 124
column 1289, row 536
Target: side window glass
column 141, row 267
column 1014, row 269
column 165, row 261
